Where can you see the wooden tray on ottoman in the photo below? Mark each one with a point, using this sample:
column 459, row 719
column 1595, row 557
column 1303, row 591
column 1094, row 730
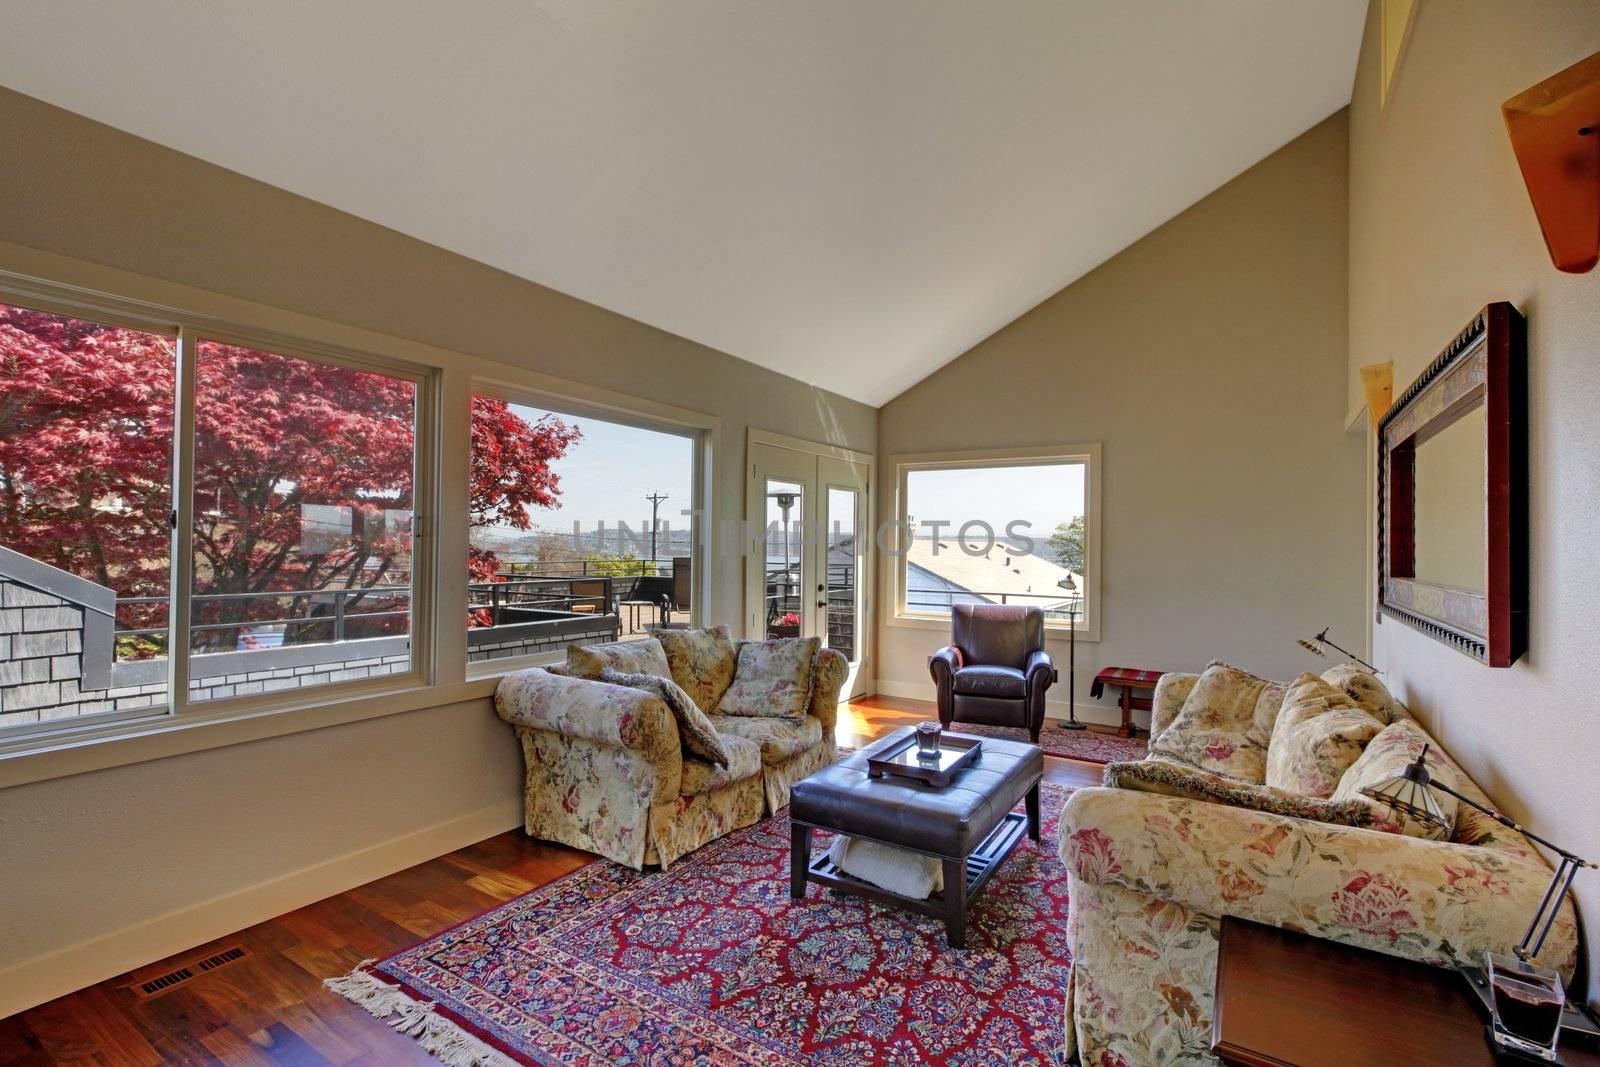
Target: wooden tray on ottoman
column 901, row 760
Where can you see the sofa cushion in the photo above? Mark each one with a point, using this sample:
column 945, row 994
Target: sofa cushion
column 701, row 662
column 1369, row 694
column 1320, row 732
column 698, row 735
column 987, row 681
column 771, row 679
column 780, row 739
column 1386, row 756
column 1216, row 729
column 744, row 761
column 1172, row 689
column 629, row 657
column 1191, row 783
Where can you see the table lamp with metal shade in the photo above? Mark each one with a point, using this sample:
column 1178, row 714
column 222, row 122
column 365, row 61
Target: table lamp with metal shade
column 1316, row 644
column 1411, row 791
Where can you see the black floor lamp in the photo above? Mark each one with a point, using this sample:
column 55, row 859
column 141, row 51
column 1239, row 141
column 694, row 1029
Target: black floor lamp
column 1070, row 584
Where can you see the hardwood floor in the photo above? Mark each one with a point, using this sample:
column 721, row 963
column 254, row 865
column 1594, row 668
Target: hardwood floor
column 270, row 1008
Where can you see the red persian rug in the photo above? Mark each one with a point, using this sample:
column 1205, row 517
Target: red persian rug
column 710, row 963
column 1091, row 746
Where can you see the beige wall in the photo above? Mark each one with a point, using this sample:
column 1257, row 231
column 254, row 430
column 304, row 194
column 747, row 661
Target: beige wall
column 1208, row 359
column 106, row 870
column 1439, row 226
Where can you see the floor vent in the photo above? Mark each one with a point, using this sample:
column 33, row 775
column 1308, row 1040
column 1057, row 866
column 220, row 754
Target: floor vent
column 188, row 972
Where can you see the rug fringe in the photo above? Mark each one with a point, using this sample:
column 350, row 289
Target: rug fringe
column 442, row 1039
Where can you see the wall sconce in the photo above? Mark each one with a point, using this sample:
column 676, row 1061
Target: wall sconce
column 1555, row 132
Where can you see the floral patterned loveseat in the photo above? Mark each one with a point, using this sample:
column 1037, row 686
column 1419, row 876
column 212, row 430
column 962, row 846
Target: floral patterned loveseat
column 1151, row 876
column 608, row 770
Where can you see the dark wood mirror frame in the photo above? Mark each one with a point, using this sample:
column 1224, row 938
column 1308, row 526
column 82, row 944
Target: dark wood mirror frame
column 1485, row 365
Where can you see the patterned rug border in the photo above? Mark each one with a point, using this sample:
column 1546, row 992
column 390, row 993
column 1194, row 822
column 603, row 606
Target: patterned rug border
column 445, row 1034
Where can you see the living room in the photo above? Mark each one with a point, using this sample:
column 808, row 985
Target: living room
column 896, row 340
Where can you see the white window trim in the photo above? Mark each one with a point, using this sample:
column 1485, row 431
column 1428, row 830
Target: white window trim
column 892, row 533
column 78, row 287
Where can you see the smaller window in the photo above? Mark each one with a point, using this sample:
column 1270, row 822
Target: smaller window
column 998, row 531
column 581, row 530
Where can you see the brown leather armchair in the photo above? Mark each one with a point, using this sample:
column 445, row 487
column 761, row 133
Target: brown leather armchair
column 995, row 670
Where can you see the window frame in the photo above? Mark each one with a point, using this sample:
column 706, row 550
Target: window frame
column 68, row 286
column 189, row 329
column 698, row 433
column 891, row 536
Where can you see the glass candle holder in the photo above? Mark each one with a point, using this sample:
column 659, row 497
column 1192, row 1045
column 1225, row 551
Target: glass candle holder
column 928, row 740
column 1527, row 1006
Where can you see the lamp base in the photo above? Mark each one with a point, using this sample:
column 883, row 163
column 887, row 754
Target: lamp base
column 1073, row 724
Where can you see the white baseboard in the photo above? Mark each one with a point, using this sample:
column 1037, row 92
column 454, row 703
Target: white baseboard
column 1099, row 714
column 55, row 974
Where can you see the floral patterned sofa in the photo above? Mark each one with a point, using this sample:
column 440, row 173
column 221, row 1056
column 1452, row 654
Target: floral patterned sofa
column 608, row 769
column 1151, row 875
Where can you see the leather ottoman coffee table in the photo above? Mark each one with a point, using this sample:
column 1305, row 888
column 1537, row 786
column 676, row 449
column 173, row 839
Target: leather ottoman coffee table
column 967, row 825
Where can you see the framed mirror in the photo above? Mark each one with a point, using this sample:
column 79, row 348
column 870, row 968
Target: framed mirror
column 1453, row 494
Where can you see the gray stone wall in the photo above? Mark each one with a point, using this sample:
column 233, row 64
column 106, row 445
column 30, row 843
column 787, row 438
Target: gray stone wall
column 503, row 642
column 55, row 654
column 41, row 654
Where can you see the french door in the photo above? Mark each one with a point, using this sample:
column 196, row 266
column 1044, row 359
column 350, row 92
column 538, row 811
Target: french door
column 806, row 555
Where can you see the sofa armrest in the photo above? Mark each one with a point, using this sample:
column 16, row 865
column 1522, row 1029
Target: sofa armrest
column 828, row 672
column 633, row 719
column 1171, row 691
column 1436, row 901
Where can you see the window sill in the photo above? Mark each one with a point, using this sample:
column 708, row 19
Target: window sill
column 1053, row 635
column 123, row 743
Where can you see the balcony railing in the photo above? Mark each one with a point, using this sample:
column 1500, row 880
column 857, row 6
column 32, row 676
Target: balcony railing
column 528, row 593
column 941, row 600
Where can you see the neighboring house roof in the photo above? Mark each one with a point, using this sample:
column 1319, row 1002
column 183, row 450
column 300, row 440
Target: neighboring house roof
column 999, row 570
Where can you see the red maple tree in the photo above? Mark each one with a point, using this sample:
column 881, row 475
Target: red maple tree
column 303, row 474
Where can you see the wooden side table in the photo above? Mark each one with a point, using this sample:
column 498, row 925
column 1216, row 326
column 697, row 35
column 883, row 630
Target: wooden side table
column 1285, row 999
column 1129, row 680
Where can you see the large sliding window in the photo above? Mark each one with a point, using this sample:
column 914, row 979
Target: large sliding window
column 189, row 517
column 582, row 528
column 302, row 559
column 86, row 424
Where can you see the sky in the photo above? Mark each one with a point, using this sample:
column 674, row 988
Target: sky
column 607, row 474
column 1043, row 495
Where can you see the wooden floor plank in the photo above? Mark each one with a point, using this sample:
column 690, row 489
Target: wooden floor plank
column 272, row 1008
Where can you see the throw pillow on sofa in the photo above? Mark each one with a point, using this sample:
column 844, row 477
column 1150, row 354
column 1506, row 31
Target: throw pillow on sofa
column 771, row 679
column 698, row 735
column 1369, row 694
column 1320, row 732
column 1191, row 783
column 1217, row 728
column 701, row 661
column 1386, row 756
column 629, row 657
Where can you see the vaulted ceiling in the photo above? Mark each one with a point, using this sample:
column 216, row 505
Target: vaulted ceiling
column 850, row 192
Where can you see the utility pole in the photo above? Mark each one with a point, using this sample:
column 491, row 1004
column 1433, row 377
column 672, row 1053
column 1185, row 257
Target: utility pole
column 655, row 508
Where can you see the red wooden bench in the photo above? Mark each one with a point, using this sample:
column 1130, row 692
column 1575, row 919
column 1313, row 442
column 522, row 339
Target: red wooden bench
column 1129, row 680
